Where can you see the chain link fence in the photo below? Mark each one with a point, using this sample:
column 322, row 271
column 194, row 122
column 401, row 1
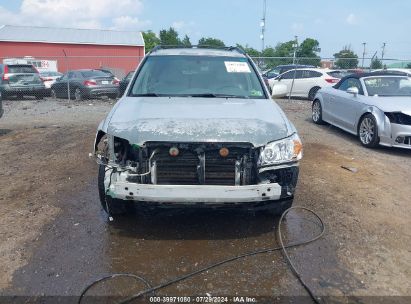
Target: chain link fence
column 91, row 77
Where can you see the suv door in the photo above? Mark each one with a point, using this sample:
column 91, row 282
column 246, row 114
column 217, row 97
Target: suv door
column 304, row 82
column 287, row 79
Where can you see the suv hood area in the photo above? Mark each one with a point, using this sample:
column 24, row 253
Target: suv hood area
column 181, row 119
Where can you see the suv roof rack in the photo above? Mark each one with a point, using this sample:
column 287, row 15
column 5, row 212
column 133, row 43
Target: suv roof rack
column 226, row 48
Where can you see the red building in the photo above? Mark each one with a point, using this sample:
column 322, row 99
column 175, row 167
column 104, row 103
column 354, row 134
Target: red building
column 119, row 51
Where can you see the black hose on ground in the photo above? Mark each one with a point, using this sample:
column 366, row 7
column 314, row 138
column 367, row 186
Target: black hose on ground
column 282, row 247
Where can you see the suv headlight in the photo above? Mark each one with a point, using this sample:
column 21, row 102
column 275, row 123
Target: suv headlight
column 281, row 151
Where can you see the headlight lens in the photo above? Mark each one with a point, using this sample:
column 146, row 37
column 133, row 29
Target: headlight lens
column 282, row 151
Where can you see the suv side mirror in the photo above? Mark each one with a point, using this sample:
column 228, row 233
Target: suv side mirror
column 353, row 90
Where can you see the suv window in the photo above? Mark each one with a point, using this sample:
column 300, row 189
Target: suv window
column 314, row 74
column 349, row 83
column 290, row 75
column 15, row 69
column 187, row 75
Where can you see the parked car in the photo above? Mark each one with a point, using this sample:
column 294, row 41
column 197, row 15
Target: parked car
column 305, row 82
column 85, row 84
column 280, row 69
column 124, row 83
column 374, row 106
column 1, row 106
column 20, row 80
column 49, row 78
column 197, row 127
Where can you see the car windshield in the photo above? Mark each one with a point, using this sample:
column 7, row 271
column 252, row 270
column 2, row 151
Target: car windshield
column 205, row 76
column 388, row 86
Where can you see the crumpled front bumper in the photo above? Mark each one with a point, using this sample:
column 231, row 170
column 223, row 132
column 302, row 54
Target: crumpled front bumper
column 399, row 136
column 119, row 187
column 190, row 194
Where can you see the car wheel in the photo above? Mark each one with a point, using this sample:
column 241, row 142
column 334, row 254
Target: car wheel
column 313, row 91
column 317, row 112
column 78, row 96
column 113, row 96
column 368, row 131
column 115, row 206
column 53, row 94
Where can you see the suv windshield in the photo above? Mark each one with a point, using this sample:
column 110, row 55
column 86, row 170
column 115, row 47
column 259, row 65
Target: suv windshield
column 204, row 76
column 388, row 86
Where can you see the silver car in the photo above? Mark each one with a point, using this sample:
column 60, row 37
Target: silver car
column 374, row 106
column 197, row 127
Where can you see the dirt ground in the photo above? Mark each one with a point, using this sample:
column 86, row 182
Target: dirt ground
column 55, row 239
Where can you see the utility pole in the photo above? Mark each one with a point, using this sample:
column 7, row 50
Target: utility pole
column 383, row 51
column 295, row 46
column 68, row 82
column 262, row 24
column 363, row 54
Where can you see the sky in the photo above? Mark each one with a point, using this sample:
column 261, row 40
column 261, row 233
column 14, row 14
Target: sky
column 334, row 24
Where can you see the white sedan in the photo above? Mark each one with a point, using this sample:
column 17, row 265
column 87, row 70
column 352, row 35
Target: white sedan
column 303, row 82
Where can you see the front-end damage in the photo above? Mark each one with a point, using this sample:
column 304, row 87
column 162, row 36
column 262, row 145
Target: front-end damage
column 204, row 173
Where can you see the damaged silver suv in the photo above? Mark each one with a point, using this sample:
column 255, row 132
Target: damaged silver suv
column 197, row 127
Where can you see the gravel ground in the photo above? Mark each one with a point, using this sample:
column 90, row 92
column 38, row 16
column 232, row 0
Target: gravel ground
column 55, row 239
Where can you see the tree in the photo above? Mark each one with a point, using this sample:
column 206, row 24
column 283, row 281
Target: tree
column 150, row 40
column 186, row 41
column 307, row 51
column 284, row 49
column 249, row 50
column 376, row 64
column 213, row 42
column 346, row 59
column 281, row 54
column 169, row 37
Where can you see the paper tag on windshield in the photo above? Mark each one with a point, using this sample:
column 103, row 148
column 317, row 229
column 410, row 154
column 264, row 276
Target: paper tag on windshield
column 237, row 67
